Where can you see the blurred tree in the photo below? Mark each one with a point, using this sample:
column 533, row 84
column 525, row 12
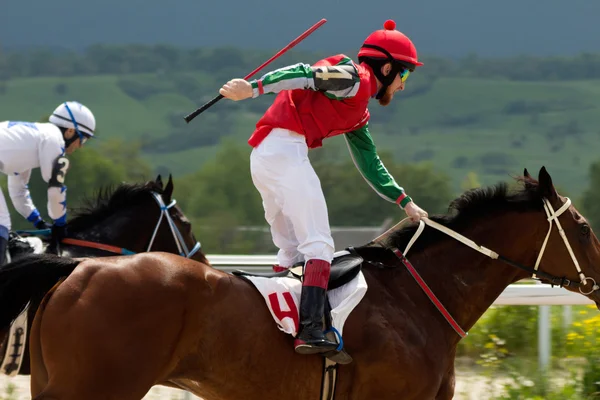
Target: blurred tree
column 221, row 196
column 591, row 197
column 471, row 181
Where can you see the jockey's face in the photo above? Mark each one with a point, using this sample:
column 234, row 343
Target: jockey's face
column 69, row 133
column 396, row 85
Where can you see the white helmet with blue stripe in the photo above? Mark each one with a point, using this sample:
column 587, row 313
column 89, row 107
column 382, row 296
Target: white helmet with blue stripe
column 72, row 114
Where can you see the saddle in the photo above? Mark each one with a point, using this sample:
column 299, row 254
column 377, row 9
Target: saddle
column 345, row 266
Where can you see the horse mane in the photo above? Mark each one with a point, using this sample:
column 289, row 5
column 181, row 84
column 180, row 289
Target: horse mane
column 109, row 200
column 472, row 205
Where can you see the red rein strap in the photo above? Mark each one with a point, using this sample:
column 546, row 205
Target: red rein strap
column 94, row 245
column 436, row 302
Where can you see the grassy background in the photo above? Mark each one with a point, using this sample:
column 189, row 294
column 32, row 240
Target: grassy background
column 493, row 127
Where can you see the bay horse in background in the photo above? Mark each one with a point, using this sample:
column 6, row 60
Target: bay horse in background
column 170, row 321
column 130, row 218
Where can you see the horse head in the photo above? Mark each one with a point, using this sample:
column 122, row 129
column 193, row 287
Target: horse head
column 493, row 237
column 570, row 252
column 137, row 218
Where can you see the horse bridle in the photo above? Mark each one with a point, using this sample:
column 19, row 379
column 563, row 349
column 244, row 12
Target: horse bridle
column 164, row 212
column 553, row 280
column 552, row 217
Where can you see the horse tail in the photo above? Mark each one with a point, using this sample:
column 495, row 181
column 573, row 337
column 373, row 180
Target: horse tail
column 28, row 279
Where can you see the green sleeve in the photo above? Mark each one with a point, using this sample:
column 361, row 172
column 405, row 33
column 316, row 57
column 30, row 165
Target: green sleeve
column 364, row 154
column 338, row 82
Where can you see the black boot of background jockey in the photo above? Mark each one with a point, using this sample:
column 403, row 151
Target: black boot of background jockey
column 3, row 244
column 310, row 338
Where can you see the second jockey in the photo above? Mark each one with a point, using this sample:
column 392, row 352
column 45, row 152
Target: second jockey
column 28, row 145
column 315, row 102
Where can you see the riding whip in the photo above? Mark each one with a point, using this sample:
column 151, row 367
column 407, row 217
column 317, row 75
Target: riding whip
column 300, row 38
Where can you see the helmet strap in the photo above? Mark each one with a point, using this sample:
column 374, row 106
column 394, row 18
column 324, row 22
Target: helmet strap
column 377, row 63
column 71, row 140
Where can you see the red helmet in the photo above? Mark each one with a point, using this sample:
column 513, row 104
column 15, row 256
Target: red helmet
column 390, row 42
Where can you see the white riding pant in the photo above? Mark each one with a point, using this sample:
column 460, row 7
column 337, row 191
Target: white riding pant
column 293, row 199
column 4, row 215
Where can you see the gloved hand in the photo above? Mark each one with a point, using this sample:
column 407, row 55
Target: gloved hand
column 59, row 232
column 42, row 225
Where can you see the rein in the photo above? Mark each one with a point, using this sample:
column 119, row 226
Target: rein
column 181, row 246
column 99, row 246
column 552, row 217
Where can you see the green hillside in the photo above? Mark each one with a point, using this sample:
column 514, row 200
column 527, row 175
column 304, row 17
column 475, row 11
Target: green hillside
column 493, row 127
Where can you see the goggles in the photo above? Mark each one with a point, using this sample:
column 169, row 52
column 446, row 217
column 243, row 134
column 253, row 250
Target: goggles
column 404, row 75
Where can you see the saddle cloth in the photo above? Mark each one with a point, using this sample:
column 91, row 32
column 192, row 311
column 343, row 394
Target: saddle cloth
column 282, row 295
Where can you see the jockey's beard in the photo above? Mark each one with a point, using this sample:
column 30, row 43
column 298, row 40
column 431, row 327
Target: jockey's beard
column 387, row 97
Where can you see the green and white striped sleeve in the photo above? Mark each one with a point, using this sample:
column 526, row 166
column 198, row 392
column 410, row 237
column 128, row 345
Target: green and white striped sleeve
column 364, row 154
column 337, row 82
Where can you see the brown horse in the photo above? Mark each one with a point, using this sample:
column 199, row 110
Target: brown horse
column 133, row 217
column 119, row 325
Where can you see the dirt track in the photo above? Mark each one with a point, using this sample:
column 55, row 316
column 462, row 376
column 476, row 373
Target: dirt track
column 469, row 387
column 20, row 388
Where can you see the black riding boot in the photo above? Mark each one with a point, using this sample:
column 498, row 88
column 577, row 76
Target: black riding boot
column 310, row 338
column 3, row 248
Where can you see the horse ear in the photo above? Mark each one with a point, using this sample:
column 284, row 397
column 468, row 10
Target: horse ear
column 546, row 186
column 528, row 180
column 159, row 181
column 168, row 190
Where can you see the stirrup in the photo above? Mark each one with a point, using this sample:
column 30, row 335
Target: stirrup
column 301, row 347
column 314, row 345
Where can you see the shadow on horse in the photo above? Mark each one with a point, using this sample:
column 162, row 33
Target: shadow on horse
column 116, row 326
column 127, row 219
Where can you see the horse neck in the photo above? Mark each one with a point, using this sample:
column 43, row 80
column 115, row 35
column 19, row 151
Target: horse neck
column 468, row 282
column 132, row 229
column 119, row 229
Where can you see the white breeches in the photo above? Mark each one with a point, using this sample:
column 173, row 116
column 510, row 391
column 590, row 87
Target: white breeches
column 293, row 200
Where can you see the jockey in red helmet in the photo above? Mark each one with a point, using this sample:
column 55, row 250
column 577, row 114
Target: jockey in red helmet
column 389, row 46
column 315, row 102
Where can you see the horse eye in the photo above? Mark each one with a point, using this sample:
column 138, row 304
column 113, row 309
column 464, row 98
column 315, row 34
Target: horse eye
column 585, row 229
